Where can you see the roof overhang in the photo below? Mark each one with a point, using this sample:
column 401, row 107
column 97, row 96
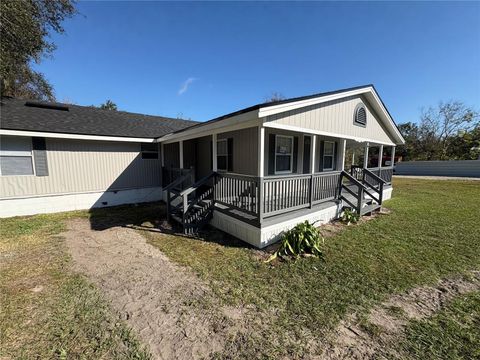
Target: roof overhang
column 368, row 92
column 74, row 136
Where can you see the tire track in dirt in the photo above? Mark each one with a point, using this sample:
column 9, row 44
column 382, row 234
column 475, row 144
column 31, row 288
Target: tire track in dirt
column 351, row 340
column 170, row 308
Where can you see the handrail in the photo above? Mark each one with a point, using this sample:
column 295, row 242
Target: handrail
column 179, row 180
column 197, row 184
column 352, row 179
column 375, row 176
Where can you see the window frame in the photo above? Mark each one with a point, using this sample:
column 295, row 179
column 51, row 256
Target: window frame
column 332, row 156
column 291, row 138
column 149, row 151
column 355, row 115
column 225, row 155
column 12, row 154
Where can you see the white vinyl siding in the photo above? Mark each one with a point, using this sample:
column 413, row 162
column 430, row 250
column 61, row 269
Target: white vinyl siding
column 283, row 154
column 16, row 156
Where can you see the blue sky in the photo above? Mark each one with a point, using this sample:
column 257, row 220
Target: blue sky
column 202, row 60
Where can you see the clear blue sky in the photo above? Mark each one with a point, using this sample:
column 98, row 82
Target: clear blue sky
column 226, row 56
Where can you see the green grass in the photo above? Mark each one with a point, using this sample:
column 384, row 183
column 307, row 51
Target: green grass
column 452, row 333
column 48, row 311
column 432, row 232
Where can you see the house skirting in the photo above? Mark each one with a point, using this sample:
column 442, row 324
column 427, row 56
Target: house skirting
column 274, row 228
column 31, row 205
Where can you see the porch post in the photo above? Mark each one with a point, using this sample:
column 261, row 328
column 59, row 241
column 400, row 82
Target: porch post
column 314, row 152
column 365, row 158
column 380, row 157
column 162, row 154
column 214, row 152
column 393, row 156
column 341, row 155
column 261, row 151
column 180, row 145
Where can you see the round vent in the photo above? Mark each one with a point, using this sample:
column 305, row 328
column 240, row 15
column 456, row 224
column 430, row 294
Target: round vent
column 360, row 115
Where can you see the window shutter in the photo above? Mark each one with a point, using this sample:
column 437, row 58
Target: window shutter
column 40, row 156
column 295, row 154
column 230, row 154
column 321, row 155
column 271, row 154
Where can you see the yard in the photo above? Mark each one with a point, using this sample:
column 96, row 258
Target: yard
column 56, row 304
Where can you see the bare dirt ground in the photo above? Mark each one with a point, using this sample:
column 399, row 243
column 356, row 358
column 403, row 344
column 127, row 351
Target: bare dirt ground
column 354, row 341
column 169, row 308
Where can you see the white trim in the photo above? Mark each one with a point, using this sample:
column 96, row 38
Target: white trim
column 332, row 156
column 368, row 91
column 73, row 136
column 291, row 155
column 323, row 133
column 261, row 151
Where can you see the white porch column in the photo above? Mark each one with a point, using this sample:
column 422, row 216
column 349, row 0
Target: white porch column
column 214, row 152
column 365, row 158
column 180, row 145
column 380, row 157
column 261, row 151
column 313, row 153
column 162, row 154
column 341, row 155
column 393, row 156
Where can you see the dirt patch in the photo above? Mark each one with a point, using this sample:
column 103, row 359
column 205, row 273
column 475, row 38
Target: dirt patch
column 169, row 307
column 374, row 336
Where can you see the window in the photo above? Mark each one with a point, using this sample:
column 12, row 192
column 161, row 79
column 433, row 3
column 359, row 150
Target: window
column 222, row 154
column 16, row 156
column 283, row 154
column 149, row 151
column 360, row 115
column 328, row 155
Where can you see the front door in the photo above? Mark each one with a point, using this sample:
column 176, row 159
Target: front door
column 307, row 146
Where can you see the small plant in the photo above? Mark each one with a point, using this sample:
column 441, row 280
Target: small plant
column 349, row 216
column 304, row 238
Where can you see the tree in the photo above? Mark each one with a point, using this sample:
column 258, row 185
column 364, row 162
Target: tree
column 275, row 96
column 108, row 105
column 25, row 26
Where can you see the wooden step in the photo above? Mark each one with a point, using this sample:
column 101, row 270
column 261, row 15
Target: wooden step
column 369, row 208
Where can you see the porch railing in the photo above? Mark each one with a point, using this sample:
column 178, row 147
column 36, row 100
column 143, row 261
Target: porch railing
column 237, row 191
column 384, row 173
column 170, row 175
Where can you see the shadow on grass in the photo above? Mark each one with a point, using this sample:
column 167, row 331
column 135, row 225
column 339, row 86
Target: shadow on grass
column 152, row 217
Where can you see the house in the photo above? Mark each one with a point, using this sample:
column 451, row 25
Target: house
column 253, row 173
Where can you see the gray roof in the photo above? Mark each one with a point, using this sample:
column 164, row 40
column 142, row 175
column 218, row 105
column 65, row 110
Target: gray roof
column 16, row 114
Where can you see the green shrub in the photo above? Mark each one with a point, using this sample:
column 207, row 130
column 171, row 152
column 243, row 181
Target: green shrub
column 349, row 216
column 304, row 238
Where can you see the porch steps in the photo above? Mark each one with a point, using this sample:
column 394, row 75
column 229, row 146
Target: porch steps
column 368, row 209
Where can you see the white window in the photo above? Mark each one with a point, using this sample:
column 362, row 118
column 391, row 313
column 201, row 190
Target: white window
column 149, row 151
column 222, row 154
column 328, row 155
column 16, row 156
column 283, row 154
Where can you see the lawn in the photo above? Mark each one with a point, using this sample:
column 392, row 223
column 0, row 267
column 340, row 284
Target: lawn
column 431, row 232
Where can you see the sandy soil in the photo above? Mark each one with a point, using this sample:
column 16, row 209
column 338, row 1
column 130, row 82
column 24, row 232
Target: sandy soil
column 353, row 341
column 170, row 308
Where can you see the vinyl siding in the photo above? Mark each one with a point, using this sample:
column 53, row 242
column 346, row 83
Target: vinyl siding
column 81, row 166
column 335, row 117
column 245, row 150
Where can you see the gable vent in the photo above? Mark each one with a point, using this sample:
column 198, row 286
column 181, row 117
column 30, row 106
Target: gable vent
column 42, row 105
column 360, row 115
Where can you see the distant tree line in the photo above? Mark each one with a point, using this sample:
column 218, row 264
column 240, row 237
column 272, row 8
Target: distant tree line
column 450, row 131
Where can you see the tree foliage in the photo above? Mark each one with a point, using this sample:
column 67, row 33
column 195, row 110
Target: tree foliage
column 108, row 105
column 25, row 26
column 450, row 131
column 274, row 96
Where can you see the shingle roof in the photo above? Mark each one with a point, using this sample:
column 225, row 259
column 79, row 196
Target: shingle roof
column 84, row 120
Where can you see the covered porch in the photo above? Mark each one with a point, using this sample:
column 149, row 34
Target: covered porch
column 264, row 176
